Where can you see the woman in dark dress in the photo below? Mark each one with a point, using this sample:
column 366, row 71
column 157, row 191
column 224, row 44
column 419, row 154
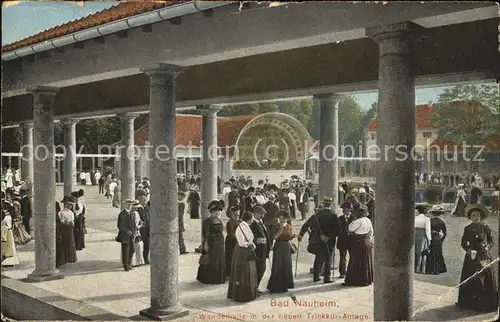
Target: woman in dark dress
column 194, row 204
column 243, row 281
column 65, row 222
column 231, row 242
column 481, row 292
column 79, row 229
column 281, row 279
column 212, row 262
column 435, row 261
column 460, row 203
column 360, row 267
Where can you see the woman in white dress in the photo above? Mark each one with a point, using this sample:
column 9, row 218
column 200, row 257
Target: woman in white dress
column 88, row 179
column 137, row 258
column 9, row 252
column 9, row 177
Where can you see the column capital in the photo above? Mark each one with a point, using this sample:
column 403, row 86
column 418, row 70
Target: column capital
column 329, row 96
column 162, row 69
column 208, row 110
column 69, row 121
column 396, row 38
column 26, row 125
column 127, row 116
column 40, row 89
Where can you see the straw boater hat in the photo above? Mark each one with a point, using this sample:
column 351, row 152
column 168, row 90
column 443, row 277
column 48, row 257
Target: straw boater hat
column 131, row 202
column 327, row 201
column 437, row 210
column 483, row 211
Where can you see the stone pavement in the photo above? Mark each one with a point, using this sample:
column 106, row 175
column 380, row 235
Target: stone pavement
column 98, row 279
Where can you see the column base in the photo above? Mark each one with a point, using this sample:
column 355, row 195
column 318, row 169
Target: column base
column 36, row 277
column 164, row 315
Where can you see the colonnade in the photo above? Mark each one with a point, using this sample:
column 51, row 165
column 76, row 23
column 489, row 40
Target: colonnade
column 395, row 179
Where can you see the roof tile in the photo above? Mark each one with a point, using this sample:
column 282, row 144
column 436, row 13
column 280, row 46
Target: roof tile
column 423, row 117
column 121, row 11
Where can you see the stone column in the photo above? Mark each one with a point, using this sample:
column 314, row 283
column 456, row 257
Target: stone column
column 394, row 263
column 69, row 132
column 164, row 239
column 329, row 147
column 127, row 158
column 44, row 189
column 27, row 152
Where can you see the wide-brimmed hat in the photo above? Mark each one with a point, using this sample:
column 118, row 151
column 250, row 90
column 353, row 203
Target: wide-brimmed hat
column 346, row 205
column 361, row 211
column 216, row 205
column 327, row 200
column 483, row 211
column 437, row 210
column 131, row 202
column 259, row 210
column 68, row 200
column 422, row 208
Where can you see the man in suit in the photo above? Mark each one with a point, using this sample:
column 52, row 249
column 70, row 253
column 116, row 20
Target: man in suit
column 343, row 240
column 261, row 241
column 181, row 208
column 303, row 203
column 25, row 203
column 326, row 223
column 126, row 232
column 143, row 210
column 271, row 209
column 316, row 200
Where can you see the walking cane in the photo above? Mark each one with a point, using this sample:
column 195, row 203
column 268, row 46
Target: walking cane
column 297, row 259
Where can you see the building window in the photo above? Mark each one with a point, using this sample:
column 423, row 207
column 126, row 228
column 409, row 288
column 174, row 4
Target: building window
column 427, row 134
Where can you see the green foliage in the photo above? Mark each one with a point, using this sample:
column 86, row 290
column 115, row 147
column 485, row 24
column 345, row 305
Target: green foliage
column 94, row 133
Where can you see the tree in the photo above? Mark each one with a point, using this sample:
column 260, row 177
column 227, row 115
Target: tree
column 468, row 113
column 98, row 132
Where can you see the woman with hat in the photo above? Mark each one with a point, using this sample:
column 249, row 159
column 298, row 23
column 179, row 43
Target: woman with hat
column 243, row 284
column 212, row 261
column 360, row 267
column 9, row 252
column 79, row 228
column 138, row 243
column 281, row 279
column 435, row 261
column 495, row 199
column 481, row 292
column 21, row 236
column 66, row 219
column 422, row 237
column 460, row 203
column 231, row 241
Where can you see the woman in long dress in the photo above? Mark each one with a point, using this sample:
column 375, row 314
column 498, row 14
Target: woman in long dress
column 460, row 203
column 281, row 279
column 79, row 228
column 21, row 236
column 243, row 281
column 435, row 261
column 194, row 204
column 495, row 200
column 360, row 267
column 231, row 241
column 9, row 252
column 138, row 257
column 117, row 194
column 67, row 222
column 212, row 262
column 481, row 292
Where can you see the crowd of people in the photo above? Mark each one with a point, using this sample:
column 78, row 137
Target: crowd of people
column 452, row 179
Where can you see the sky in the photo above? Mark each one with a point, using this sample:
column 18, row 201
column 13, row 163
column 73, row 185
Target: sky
column 21, row 19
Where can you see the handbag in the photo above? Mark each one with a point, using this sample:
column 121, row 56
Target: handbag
column 248, row 256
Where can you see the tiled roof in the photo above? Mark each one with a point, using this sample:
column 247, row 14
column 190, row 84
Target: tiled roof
column 189, row 130
column 423, row 117
column 121, row 11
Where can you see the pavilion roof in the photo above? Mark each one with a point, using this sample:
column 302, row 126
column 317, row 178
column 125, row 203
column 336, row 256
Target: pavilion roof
column 120, row 11
column 189, row 130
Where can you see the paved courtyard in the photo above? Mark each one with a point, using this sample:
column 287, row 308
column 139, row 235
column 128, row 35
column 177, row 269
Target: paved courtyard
column 98, row 279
